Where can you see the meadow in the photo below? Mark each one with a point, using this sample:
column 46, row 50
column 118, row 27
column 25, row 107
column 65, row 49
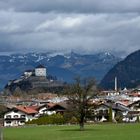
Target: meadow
column 92, row 132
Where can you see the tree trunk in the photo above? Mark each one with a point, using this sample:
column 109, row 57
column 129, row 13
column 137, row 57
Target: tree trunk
column 82, row 126
column 1, row 134
column 82, row 122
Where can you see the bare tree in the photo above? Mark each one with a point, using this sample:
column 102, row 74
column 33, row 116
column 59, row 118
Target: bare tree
column 80, row 94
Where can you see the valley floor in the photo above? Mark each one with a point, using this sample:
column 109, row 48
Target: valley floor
column 92, row 132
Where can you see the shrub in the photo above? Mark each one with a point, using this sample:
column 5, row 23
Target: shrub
column 52, row 119
column 73, row 120
column 138, row 120
column 119, row 117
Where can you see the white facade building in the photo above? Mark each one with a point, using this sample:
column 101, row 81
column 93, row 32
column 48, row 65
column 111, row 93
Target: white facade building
column 17, row 116
column 40, row 71
column 28, row 73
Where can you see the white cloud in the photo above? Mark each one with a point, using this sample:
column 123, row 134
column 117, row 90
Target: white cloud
column 85, row 26
column 71, row 22
column 60, row 22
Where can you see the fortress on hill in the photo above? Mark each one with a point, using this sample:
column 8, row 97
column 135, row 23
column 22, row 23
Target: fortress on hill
column 39, row 71
column 37, row 78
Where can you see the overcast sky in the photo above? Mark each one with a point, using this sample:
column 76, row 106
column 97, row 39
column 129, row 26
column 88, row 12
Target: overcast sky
column 84, row 26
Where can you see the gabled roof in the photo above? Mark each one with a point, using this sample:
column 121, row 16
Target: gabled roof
column 47, row 105
column 123, row 102
column 35, row 107
column 117, row 106
column 26, row 109
column 136, row 90
column 40, row 66
column 136, row 102
column 56, row 107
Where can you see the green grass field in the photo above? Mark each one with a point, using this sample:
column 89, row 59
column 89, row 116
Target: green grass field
column 92, row 132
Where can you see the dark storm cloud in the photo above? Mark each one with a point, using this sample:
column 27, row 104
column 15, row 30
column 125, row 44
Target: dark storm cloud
column 63, row 25
column 72, row 5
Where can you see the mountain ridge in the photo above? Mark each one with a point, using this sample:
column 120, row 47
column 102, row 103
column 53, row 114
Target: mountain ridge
column 64, row 67
column 127, row 72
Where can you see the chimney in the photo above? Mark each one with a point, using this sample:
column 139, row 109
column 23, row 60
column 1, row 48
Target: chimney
column 115, row 83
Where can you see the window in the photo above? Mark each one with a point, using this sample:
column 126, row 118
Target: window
column 15, row 116
column 22, row 116
column 8, row 122
column 22, row 121
column 8, row 116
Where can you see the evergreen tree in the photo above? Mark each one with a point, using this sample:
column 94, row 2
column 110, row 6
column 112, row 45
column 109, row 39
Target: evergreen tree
column 110, row 114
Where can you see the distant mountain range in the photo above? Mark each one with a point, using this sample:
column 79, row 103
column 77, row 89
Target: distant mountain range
column 127, row 72
column 64, row 67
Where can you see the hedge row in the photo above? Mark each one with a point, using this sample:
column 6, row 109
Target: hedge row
column 53, row 119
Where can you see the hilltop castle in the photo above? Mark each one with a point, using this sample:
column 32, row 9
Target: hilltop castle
column 37, row 78
column 39, row 71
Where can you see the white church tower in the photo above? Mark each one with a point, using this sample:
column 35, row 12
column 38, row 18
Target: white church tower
column 40, row 70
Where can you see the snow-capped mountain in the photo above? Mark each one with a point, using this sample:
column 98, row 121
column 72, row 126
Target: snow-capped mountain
column 64, row 67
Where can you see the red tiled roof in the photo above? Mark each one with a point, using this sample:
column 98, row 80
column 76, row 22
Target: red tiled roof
column 124, row 102
column 135, row 95
column 26, row 109
column 34, row 107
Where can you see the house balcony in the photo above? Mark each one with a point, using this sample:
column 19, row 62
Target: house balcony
column 10, row 119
